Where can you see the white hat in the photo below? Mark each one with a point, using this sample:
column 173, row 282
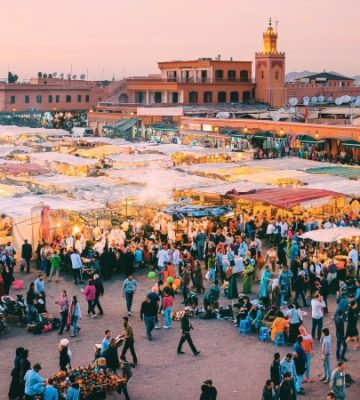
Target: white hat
column 64, row 342
column 96, row 276
column 188, row 309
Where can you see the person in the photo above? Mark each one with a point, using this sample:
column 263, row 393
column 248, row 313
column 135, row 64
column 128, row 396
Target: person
column 248, row 275
column 286, row 390
column 99, row 292
column 111, row 356
column 73, row 393
column 337, row 381
column 129, row 288
column 275, row 371
column 208, row 391
column 325, row 354
column 167, row 307
column 199, row 284
column 299, row 357
column 352, row 333
column 317, row 314
column 285, row 278
column 74, row 316
column 287, row 365
column 300, row 285
column 55, row 262
column 279, row 325
column 90, row 293
column 148, row 311
column 105, row 342
column 63, row 304
column 24, row 367
column 307, row 345
column 211, row 299
column 295, row 320
column 341, row 345
column 128, row 336
column 268, row 390
column 354, row 257
column 34, row 383
column 185, row 335
column 76, row 265
column 127, row 374
column 8, row 279
column 64, row 355
column 14, row 391
column 26, row 254
column 331, row 396
column 264, row 283
column 50, row 392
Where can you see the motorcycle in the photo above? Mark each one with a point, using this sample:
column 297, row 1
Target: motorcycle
column 10, row 306
column 2, row 322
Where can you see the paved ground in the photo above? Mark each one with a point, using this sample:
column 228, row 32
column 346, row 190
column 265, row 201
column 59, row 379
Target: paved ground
column 238, row 365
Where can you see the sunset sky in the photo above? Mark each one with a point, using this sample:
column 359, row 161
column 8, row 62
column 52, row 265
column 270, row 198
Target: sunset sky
column 128, row 37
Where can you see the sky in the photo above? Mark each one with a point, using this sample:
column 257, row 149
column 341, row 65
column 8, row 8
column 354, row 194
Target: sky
column 128, row 37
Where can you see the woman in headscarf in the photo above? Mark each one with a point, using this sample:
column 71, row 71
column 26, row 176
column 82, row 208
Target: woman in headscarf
column 264, row 283
column 279, row 325
column 248, row 275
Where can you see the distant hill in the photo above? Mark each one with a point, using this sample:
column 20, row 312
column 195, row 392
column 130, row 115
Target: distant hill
column 292, row 76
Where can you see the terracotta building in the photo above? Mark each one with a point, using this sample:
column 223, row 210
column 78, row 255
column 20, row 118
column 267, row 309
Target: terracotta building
column 49, row 94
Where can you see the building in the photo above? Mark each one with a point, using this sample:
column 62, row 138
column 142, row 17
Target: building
column 327, row 85
column 202, row 81
column 50, row 94
column 270, row 71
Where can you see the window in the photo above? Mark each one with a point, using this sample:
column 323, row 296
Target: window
column 222, row 97
column 262, row 75
column 231, row 75
column 79, row 98
column 193, row 97
column 57, row 98
column 276, row 75
column 50, row 98
column 12, row 99
column 207, row 97
column 68, row 98
column 219, row 74
column 39, row 99
column 234, row 97
column 87, row 98
column 246, row 96
column 244, row 75
column 27, row 99
column 157, row 97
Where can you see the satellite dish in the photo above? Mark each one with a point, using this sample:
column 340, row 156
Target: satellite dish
column 292, row 110
column 346, row 99
column 82, row 76
column 314, row 99
column 330, row 99
column 223, row 114
column 321, row 99
column 281, row 110
column 275, row 117
column 62, row 75
column 306, row 102
column 306, row 99
column 293, row 101
column 74, row 76
column 55, row 74
column 338, row 101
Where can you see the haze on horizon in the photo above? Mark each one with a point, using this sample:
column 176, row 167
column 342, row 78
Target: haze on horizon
column 128, row 37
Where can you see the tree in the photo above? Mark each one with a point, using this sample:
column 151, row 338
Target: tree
column 39, row 74
column 12, row 78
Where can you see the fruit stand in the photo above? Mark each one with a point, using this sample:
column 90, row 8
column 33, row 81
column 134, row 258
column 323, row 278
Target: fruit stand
column 94, row 382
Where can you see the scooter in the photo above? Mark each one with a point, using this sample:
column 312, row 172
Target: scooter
column 10, row 306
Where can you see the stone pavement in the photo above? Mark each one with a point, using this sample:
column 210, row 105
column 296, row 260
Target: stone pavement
column 237, row 364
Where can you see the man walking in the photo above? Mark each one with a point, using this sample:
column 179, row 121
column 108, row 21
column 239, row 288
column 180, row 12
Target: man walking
column 26, row 254
column 99, row 292
column 128, row 336
column 300, row 364
column 76, row 266
column 185, row 336
column 340, row 336
column 337, row 381
column 148, row 311
column 129, row 288
column 317, row 307
column 325, row 350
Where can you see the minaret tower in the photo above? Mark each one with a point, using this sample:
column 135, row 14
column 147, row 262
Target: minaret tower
column 270, row 71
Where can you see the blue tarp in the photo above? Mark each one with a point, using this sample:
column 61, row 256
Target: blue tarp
column 180, row 212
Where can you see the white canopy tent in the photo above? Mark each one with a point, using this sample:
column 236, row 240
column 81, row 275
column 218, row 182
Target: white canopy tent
column 332, row 234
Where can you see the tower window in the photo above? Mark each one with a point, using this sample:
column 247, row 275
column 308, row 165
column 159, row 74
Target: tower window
column 276, row 74
column 262, row 75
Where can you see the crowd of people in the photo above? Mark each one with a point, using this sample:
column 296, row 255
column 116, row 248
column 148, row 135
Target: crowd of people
column 185, row 254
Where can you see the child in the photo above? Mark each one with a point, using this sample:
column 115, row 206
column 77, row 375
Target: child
column 167, row 307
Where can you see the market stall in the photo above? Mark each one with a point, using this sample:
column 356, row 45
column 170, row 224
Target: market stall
column 332, row 234
column 139, row 160
column 344, row 172
column 23, row 169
